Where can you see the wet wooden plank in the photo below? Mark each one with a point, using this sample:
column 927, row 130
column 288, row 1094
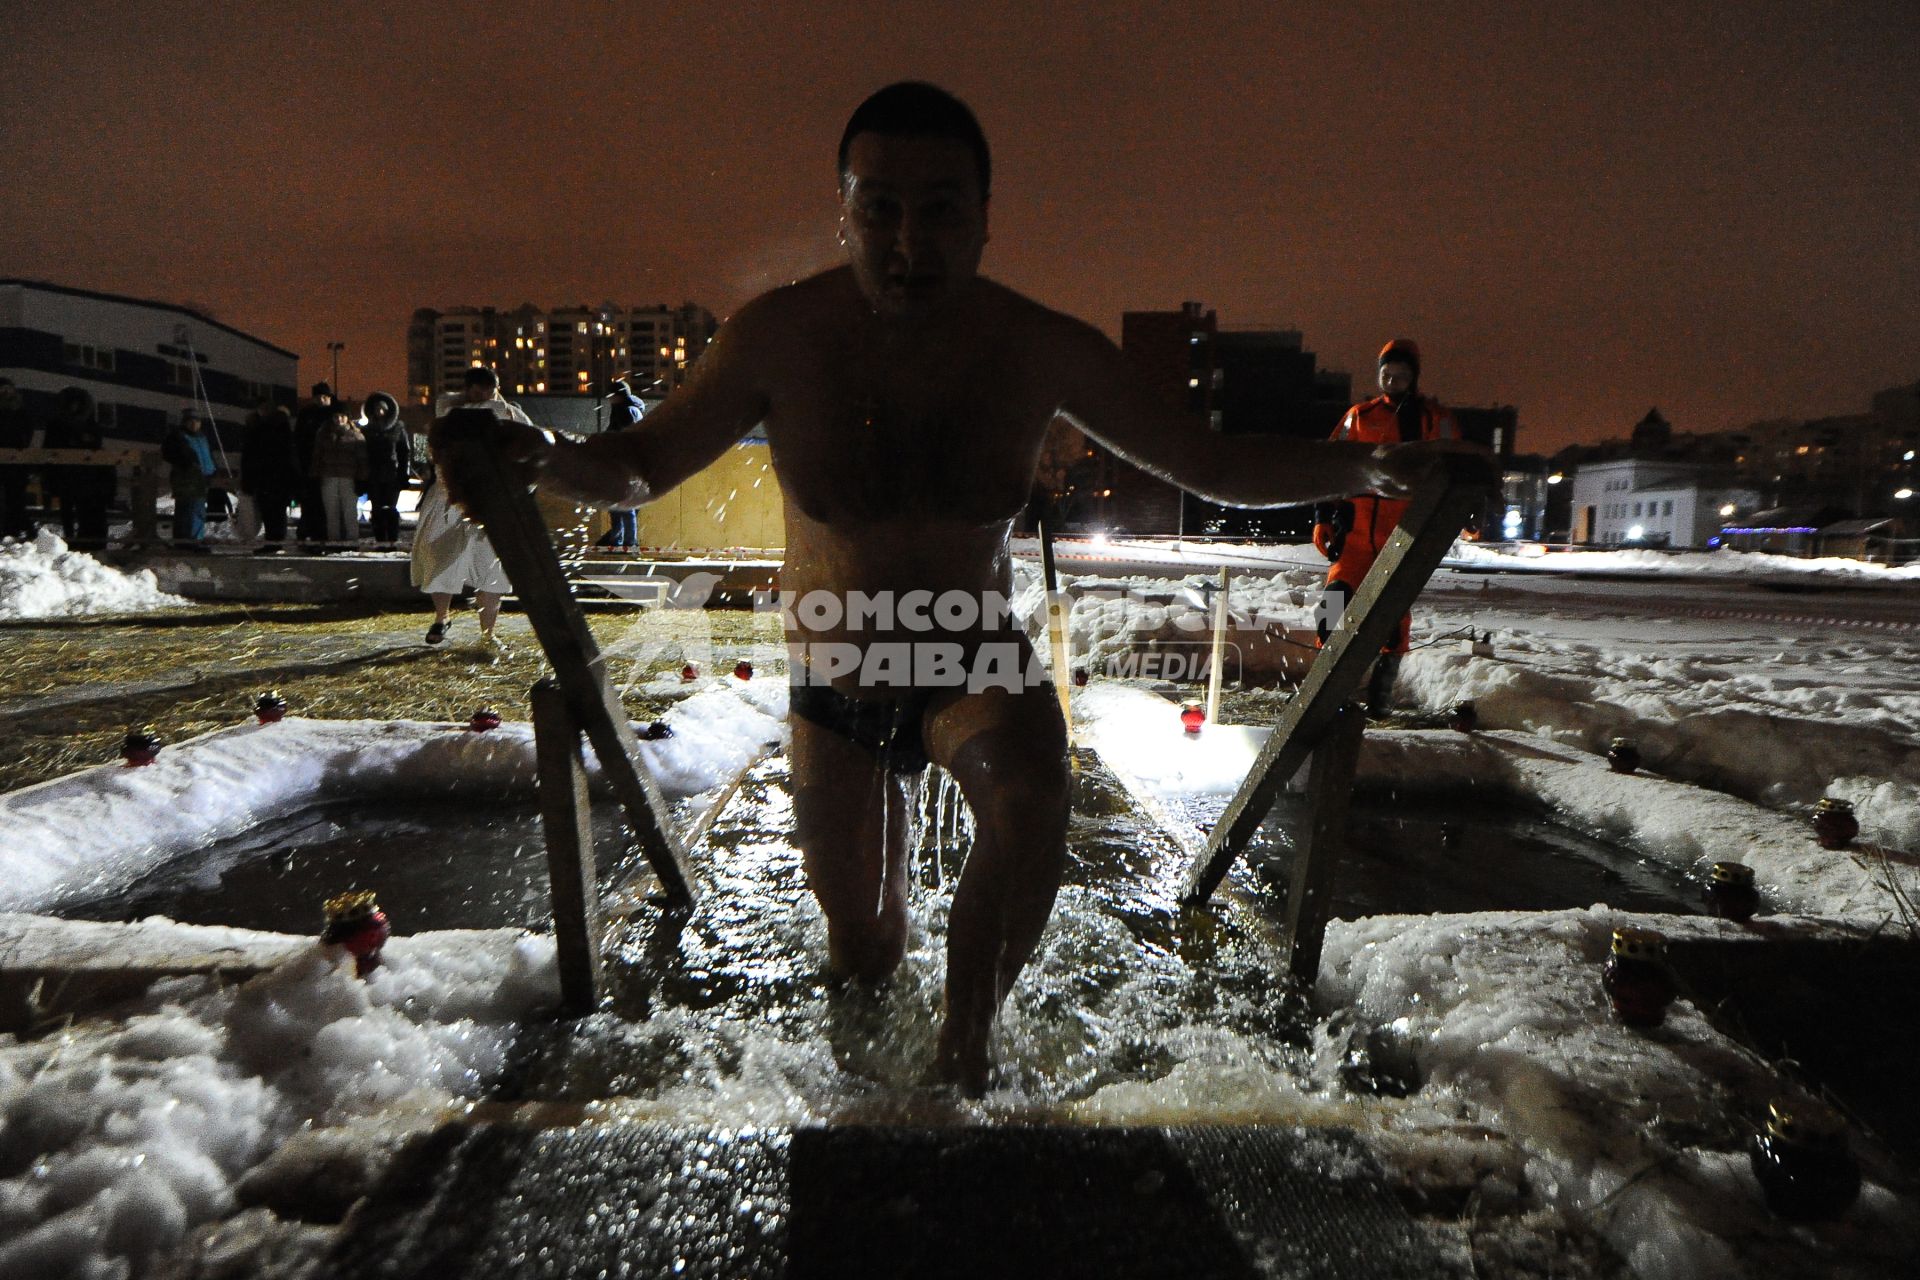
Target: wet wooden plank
column 496, row 495
column 1440, row 509
column 1310, row 877
column 566, row 820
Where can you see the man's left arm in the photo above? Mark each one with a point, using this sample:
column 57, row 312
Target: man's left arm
column 1102, row 395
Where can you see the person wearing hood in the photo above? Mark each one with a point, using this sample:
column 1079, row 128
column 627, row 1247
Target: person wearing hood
column 337, row 466
column 389, row 466
column 1351, row 532
column 189, row 465
column 84, row 491
column 624, row 410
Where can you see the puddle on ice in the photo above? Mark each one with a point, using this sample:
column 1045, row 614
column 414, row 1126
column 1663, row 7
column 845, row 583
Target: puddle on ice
column 1131, row 1010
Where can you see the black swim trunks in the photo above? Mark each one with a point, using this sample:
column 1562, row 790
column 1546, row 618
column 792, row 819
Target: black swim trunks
column 888, row 727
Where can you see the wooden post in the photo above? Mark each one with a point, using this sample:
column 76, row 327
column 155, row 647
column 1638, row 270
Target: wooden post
column 143, row 496
column 1219, row 648
column 1310, row 878
column 500, row 498
column 1056, row 627
column 573, row 882
column 1438, row 512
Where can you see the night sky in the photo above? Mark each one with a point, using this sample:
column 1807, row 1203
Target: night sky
column 1582, row 210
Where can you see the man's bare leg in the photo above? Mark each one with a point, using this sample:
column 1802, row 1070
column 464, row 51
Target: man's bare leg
column 1008, row 753
column 851, row 817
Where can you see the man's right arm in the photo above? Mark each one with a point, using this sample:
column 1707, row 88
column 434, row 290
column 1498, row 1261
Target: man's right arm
column 723, row 399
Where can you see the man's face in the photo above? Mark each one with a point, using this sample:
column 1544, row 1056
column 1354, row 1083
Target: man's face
column 912, row 219
column 1396, row 378
column 191, row 425
column 477, row 393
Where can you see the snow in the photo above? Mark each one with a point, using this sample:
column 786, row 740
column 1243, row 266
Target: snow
column 120, row 1136
column 99, row 829
column 124, row 1135
column 42, row 578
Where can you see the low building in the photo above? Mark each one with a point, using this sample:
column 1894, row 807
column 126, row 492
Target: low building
column 142, row 361
column 1653, row 503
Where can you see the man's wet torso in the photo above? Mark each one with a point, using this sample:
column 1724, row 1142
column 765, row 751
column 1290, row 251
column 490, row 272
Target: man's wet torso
column 904, row 450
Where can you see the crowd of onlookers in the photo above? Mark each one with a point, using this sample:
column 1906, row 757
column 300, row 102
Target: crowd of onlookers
column 314, row 464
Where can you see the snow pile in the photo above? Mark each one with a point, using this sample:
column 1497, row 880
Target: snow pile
column 1635, row 1132
column 1674, row 823
column 102, row 828
column 43, row 579
column 1645, row 562
column 118, row 1138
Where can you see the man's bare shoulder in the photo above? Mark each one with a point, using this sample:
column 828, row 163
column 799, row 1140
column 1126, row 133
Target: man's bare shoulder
column 1032, row 319
column 800, row 300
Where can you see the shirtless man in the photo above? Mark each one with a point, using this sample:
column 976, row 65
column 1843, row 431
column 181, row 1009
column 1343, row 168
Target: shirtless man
column 905, row 397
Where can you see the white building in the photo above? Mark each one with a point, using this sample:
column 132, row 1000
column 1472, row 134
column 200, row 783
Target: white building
column 1637, row 502
column 136, row 357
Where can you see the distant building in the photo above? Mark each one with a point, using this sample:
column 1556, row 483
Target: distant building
column 1234, row 381
column 1859, row 464
column 572, row 350
column 1650, row 503
column 137, row 357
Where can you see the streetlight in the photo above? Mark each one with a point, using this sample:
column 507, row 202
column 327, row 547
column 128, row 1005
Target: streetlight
column 336, row 348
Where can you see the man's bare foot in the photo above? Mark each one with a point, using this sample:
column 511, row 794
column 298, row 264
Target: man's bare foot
column 961, row 1061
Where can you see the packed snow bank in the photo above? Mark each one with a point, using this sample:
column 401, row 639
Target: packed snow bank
column 1642, row 1133
column 100, row 829
column 1682, row 826
column 1643, row 562
column 43, row 579
column 116, row 1139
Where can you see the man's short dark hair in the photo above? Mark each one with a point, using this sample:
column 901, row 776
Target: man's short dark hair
column 481, row 376
column 915, row 109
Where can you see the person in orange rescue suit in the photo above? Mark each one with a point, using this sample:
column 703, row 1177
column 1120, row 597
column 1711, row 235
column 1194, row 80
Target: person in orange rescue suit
column 1351, row 533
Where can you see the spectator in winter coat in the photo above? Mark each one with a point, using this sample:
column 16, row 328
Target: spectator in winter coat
column 189, row 464
column 624, row 410
column 389, row 465
column 85, row 492
column 270, row 470
column 1351, row 533
column 312, row 419
column 338, row 465
column 16, row 432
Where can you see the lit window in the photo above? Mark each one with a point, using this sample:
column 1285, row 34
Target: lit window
column 476, row 362
column 664, row 351
column 583, row 375
column 581, row 327
column 539, row 386
column 1193, row 382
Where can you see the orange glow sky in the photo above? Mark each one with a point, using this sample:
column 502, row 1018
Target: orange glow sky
column 1580, row 210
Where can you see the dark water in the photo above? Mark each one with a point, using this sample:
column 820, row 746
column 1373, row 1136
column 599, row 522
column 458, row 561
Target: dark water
column 439, row 865
column 434, row 865
column 1444, row 856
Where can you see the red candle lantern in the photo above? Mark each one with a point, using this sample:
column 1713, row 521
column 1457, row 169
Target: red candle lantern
column 1802, row 1161
column 356, row 922
column 1636, row 977
column 485, row 719
column 743, row 670
column 689, row 673
column 1834, row 825
column 139, row 747
column 270, row 707
column 1080, row 677
column 1192, row 716
column 1623, row 756
column 1464, row 717
column 1730, row 893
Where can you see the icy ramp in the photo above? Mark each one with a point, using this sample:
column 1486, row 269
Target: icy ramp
column 645, row 1200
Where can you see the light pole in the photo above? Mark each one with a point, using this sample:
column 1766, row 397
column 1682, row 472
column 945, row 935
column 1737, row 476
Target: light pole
column 336, row 348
